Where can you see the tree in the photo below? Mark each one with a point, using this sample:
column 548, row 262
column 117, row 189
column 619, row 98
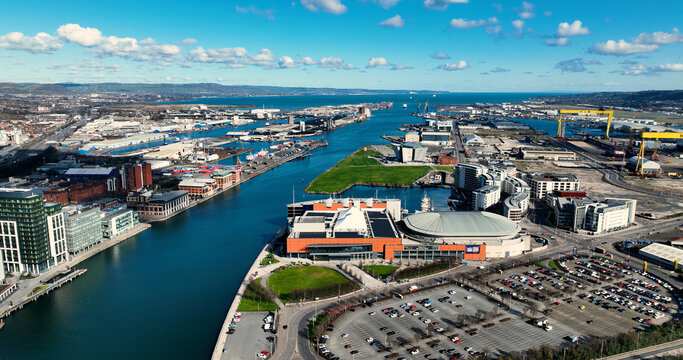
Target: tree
column 534, row 308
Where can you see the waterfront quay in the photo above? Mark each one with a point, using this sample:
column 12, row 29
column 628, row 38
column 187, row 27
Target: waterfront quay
column 191, row 249
column 32, row 289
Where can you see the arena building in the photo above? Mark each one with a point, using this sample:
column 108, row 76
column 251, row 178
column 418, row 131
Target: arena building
column 492, row 235
column 373, row 229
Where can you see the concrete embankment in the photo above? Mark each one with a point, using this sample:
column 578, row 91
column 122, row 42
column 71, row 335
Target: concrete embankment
column 107, row 244
column 22, row 296
column 253, row 270
column 674, row 349
column 44, row 291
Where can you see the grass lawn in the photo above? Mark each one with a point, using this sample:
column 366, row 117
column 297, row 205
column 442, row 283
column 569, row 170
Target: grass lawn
column 38, row 289
column 256, row 299
column 247, row 304
column 269, row 259
column 553, row 264
column 443, row 167
column 380, row 271
column 283, row 282
column 360, row 169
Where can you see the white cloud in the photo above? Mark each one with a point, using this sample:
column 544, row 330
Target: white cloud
column 518, row 24
column 330, row 6
column 563, row 41
column 659, row 38
column 268, row 13
column 128, row 48
column 189, row 41
column 642, row 43
column 286, row 62
column 264, row 58
column 39, row 43
column 670, row 67
column 148, row 41
column 527, row 11
column 83, row 36
column 547, row 13
column 636, row 69
column 228, row 56
column 621, row 47
column 334, row 63
column 468, row 24
column 400, row 67
column 377, row 61
column 442, row 4
column 574, row 29
column 575, row 65
column 386, row 4
column 394, row 21
column 440, row 55
column 307, row 60
column 453, row 66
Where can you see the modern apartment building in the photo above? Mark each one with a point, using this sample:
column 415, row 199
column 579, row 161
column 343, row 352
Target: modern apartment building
column 83, row 228
column 542, row 185
column 119, row 221
column 484, row 198
column 32, row 236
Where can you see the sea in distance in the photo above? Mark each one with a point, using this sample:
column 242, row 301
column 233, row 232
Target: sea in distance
column 165, row 292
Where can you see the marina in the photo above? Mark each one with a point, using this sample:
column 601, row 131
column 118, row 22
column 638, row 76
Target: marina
column 190, row 258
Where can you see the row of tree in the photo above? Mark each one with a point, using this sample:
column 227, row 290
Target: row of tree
column 599, row 347
column 426, row 269
column 257, row 292
column 321, row 292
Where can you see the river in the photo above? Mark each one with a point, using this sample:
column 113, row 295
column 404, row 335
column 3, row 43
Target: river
column 164, row 293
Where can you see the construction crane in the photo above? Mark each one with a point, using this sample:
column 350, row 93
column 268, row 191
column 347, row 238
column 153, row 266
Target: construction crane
column 656, row 136
column 561, row 123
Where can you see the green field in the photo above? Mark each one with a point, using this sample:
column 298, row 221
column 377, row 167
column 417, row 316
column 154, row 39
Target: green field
column 380, row 271
column 553, row 264
column 255, row 298
column 247, row 304
column 38, row 289
column 443, row 167
column 269, row 259
column 360, row 168
column 310, row 281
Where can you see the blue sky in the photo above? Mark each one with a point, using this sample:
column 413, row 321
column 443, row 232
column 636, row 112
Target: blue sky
column 454, row 45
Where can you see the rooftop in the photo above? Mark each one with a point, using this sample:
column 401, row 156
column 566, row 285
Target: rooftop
column 461, row 224
column 664, row 252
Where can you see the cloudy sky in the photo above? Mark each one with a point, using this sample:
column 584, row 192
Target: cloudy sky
column 455, row 45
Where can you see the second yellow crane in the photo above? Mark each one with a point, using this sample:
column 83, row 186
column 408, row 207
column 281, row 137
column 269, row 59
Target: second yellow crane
column 561, row 122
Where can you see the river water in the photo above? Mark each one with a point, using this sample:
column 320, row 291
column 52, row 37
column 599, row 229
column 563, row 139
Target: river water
column 164, row 293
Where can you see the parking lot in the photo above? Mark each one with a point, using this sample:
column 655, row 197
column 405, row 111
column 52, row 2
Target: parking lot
column 249, row 339
column 594, row 298
column 351, row 332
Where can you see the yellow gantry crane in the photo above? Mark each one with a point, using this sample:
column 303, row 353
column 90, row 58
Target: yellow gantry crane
column 561, row 123
column 656, row 136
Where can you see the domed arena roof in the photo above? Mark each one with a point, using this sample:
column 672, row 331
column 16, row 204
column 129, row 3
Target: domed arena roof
column 461, row 224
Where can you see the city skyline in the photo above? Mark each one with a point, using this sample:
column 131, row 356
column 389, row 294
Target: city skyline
column 452, row 45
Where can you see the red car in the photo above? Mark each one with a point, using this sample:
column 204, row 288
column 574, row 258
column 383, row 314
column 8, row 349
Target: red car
column 265, row 353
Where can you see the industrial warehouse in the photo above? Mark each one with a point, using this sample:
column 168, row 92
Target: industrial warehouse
column 351, row 229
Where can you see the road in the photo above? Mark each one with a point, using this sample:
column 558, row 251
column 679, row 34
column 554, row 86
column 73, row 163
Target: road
column 296, row 343
column 610, row 175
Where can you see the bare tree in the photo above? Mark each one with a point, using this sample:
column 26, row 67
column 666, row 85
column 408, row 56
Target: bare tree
column 534, row 308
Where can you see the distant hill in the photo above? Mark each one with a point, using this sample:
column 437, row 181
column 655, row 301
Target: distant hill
column 192, row 90
column 638, row 99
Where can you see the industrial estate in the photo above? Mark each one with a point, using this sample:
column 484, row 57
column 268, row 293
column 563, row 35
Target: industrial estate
column 537, row 246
